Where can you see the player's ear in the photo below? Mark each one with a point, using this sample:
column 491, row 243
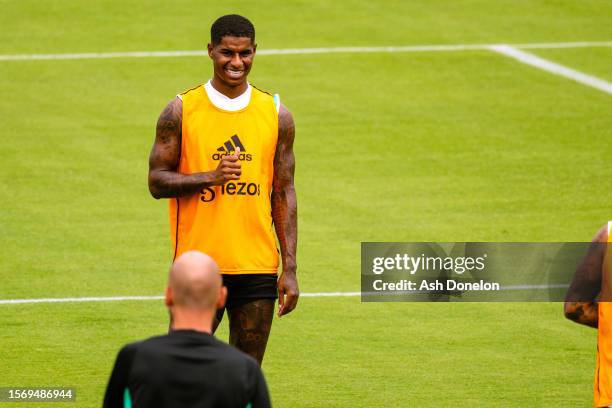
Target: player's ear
column 168, row 297
column 210, row 50
column 222, row 297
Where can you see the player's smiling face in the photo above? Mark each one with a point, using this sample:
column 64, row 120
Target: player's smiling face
column 232, row 60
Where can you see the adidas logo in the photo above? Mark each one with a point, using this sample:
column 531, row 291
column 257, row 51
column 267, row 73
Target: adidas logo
column 229, row 147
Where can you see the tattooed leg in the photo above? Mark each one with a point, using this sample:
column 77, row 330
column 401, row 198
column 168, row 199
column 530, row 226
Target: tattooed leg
column 250, row 327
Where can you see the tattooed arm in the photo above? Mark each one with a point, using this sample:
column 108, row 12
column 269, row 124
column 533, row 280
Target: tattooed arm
column 164, row 179
column 284, row 211
column 580, row 301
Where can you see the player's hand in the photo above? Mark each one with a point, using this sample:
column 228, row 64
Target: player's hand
column 288, row 293
column 229, row 168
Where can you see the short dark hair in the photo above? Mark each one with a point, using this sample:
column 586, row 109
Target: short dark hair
column 231, row 25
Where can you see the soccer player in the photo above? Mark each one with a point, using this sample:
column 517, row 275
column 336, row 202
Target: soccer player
column 223, row 154
column 588, row 302
column 187, row 367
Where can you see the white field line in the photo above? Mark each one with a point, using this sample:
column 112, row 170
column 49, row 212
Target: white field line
column 289, row 51
column 313, row 295
column 78, row 299
column 553, row 68
column 123, row 298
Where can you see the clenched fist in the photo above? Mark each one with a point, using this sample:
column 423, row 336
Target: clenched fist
column 229, row 168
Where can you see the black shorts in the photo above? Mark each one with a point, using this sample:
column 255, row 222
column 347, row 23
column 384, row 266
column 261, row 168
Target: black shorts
column 242, row 289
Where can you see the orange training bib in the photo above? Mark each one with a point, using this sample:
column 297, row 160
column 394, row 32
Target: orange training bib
column 232, row 223
column 603, row 370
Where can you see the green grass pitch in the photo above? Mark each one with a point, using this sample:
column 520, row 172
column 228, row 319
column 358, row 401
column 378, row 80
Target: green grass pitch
column 424, row 146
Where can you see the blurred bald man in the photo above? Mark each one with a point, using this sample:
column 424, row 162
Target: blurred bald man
column 188, row 367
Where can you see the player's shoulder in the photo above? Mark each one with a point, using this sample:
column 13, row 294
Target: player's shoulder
column 128, row 351
column 604, row 233
column 263, row 95
column 133, row 345
column 286, row 124
column 154, row 341
column 190, row 90
column 152, row 346
column 139, row 345
column 261, row 92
